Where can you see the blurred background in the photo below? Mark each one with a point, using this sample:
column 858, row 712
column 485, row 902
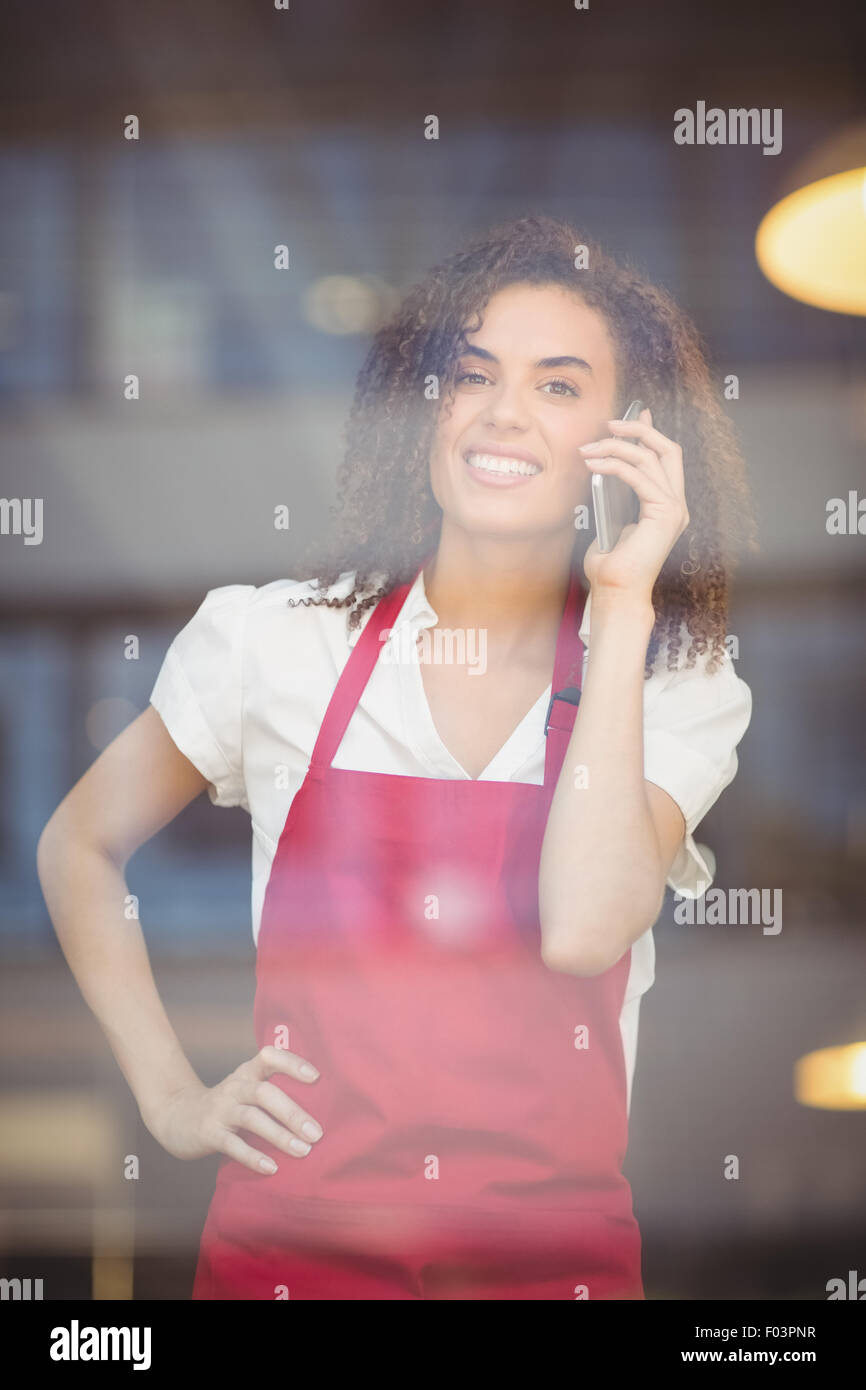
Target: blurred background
column 155, row 257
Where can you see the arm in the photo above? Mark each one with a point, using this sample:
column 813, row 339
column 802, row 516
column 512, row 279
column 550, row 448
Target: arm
column 609, row 845
column 611, row 837
column 135, row 787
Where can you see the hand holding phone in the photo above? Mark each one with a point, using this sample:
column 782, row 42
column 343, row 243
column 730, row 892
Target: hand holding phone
column 615, row 504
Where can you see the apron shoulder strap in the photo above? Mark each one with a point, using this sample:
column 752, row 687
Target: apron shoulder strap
column 354, row 676
column 566, row 684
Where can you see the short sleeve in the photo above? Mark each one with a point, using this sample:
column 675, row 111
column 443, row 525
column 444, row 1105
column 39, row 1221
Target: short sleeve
column 199, row 691
column 693, row 722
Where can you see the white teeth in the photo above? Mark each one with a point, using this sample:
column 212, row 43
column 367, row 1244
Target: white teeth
column 492, row 463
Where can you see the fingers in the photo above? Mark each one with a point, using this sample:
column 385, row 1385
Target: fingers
column 647, row 488
column 233, row 1146
column 670, row 454
column 291, row 1116
column 271, row 1059
column 258, row 1121
column 640, row 429
column 255, row 1104
column 670, row 507
column 642, row 458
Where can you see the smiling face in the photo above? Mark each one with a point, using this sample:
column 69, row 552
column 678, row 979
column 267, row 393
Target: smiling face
column 537, row 380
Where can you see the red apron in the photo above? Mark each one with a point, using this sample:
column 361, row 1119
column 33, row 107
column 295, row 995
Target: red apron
column 473, row 1101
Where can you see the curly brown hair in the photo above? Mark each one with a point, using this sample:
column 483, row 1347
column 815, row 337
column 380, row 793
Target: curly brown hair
column 386, row 517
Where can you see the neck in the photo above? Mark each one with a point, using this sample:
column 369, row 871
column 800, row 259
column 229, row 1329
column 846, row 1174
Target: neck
column 515, row 589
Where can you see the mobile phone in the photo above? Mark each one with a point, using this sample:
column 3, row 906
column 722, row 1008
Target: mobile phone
column 615, row 503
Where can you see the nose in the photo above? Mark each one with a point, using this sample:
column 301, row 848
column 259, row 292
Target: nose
column 507, row 407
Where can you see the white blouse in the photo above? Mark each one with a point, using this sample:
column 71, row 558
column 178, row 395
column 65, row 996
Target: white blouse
column 244, row 687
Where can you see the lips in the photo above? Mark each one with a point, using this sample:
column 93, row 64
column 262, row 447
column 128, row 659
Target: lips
column 499, row 470
column 506, row 452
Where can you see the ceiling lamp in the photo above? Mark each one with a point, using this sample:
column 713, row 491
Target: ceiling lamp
column 833, row 1078
column 812, row 244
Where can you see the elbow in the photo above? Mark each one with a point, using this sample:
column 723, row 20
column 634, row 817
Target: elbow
column 591, row 950
column 44, row 841
column 569, row 952
column 45, row 848
column 49, row 845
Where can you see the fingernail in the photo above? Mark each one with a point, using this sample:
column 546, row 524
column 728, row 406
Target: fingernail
column 312, row 1130
column 593, row 445
column 268, row 1165
column 300, row 1147
column 307, row 1070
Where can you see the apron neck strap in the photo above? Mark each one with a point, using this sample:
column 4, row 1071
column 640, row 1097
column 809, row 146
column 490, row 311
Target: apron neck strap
column 356, row 673
column 565, row 687
column 567, row 681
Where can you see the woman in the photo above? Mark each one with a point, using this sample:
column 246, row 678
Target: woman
column 457, row 860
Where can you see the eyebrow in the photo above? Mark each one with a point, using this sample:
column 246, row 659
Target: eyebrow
column 542, row 362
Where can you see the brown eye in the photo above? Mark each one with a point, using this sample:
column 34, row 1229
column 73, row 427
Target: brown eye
column 560, row 381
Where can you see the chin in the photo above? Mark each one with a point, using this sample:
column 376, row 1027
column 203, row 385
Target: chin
column 517, row 528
